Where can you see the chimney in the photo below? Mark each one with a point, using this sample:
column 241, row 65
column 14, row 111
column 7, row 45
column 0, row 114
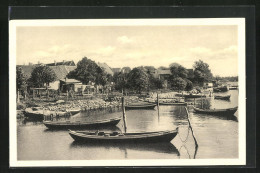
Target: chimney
column 38, row 62
column 30, row 63
column 63, row 61
column 55, row 62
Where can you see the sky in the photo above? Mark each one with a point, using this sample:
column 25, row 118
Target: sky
column 132, row 46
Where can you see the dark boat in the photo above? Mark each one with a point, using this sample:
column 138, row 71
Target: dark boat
column 102, row 137
column 222, row 97
column 174, row 103
column 74, row 111
column 68, row 124
column 229, row 111
column 171, row 103
column 33, row 113
column 140, row 106
column 220, row 89
column 191, row 95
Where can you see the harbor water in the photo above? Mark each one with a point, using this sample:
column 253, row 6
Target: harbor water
column 217, row 137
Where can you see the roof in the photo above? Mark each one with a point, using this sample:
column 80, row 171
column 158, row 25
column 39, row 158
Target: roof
column 27, row 70
column 68, row 63
column 106, row 68
column 115, row 70
column 70, row 80
column 61, row 71
column 163, row 72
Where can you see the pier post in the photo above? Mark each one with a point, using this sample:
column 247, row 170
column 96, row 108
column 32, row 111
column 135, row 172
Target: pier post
column 124, row 116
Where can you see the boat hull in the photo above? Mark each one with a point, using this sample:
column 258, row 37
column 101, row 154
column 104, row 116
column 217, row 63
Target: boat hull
column 152, row 106
column 222, row 97
column 32, row 115
column 134, row 138
column 220, row 112
column 78, row 125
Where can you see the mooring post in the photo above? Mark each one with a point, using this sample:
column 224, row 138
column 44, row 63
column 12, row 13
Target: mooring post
column 201, row 102
column 124, row 116
column 158, row 100
column 193, row 134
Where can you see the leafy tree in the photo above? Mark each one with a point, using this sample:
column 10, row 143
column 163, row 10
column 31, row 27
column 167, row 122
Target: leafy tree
column 189, row 85
column 87, row 70
column 138, row 79
column 178, row 71
column 20, row 82
column 20, row 79
column 42, row 75
column 202, row 73
column 120, row 80
column 178, row 83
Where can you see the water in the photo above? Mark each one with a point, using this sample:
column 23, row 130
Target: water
column 217, row 137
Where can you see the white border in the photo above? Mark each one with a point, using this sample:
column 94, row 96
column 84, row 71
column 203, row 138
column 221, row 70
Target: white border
column 240, row 22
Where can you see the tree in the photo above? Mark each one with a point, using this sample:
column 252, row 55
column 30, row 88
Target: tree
column 87, row 70
column 178, row 71
column 42, row 75
column 202, row 73
column 138, row 79
column 189, row 85
column 120, row 80
column 178, row 83
column 20, row 82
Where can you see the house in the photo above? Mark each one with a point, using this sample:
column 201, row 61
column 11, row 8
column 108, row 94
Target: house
column 61, row 72
column 70, row 85
column 106, row 68
column 126, row 70
column 208, row 85
column 66, row 63
column 163, row 74
column 116, row 70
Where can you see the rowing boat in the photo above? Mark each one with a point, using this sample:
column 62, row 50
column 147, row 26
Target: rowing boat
column 220, row 89
column 227, row 97
column 77, row 124
column 102, row 137
column 191, row 95
column 140, row 106
column 229, row 111
column 171, row 103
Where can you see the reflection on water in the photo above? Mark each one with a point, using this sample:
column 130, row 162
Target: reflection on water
column 217, row 137
column 156, row 147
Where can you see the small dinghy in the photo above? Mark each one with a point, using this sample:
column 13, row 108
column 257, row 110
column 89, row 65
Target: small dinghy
column 77, row 124
column 102, row 137
column 229, row 111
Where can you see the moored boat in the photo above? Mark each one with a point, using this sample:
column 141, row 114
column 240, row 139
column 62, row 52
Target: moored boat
column 33, row 113
column 221, row 89
column 227, row 97
column 74, row 111
column 191, row 95
column 140, row 106
column 77, row 124
column 171, row 103
column 102, row 137
column 228, row 111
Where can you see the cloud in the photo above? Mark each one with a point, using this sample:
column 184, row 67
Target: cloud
column 106, row 50
column 200, row 50
column 124, row 39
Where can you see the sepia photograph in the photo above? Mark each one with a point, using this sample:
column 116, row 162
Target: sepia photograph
column 127, row 92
